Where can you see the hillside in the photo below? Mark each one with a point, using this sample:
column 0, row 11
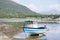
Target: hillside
column 10, row 9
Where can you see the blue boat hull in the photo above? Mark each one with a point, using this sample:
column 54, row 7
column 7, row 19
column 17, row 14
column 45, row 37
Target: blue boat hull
column 34, row 30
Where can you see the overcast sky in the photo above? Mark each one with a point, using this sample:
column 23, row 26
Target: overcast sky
column 40, row 5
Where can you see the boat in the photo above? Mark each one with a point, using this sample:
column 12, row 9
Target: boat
column 31, row 27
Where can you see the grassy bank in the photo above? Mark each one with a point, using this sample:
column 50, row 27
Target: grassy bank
column 15, row 24
column 28, row 18
column 19, row 24
column 47, row 22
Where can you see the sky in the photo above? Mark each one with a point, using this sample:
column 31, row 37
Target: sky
column 40, row 5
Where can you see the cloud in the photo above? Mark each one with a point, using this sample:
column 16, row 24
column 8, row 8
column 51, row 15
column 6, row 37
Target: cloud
column 17, row 1
column 55, row 6
column 42, row 8
column 32, row 7
column 35, row 8
column 39, row 8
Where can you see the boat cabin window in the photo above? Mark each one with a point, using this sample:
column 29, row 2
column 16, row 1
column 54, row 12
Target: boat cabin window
column 28, row 22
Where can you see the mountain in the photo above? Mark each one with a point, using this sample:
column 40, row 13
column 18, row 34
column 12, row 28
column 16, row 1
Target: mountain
column 10, row 9
column 53, row 11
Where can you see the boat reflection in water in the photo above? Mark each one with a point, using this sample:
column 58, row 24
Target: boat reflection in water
column 22, row 36
column 37, row 37
column 32, row 28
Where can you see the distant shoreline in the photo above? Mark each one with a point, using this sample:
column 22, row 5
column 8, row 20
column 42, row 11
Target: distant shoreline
column 25, row 19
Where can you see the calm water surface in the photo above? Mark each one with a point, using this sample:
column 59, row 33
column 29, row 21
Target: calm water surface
column 53, row 33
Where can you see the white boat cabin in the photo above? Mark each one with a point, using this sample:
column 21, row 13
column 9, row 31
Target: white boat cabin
column 31, row 24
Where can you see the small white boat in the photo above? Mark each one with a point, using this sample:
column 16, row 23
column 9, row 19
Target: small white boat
column 31, row 27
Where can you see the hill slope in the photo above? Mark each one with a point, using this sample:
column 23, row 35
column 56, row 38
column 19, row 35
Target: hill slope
column 9, row 9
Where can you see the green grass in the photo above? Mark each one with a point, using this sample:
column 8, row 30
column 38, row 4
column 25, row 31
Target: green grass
column 11, row 18
column 15, row 24
column 19, row 24
column 47, row 22
column 28, row 18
